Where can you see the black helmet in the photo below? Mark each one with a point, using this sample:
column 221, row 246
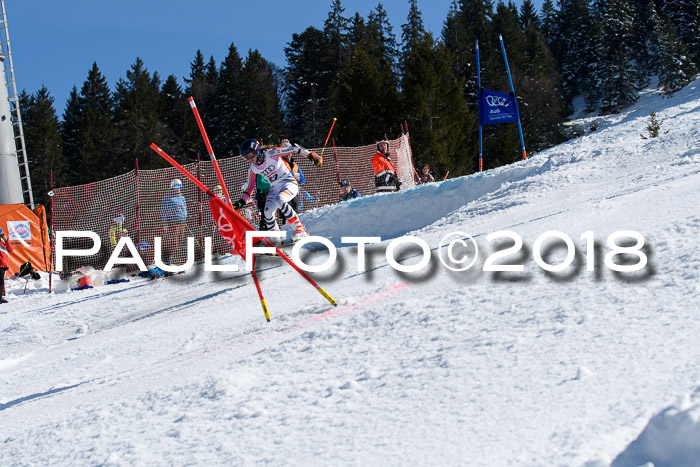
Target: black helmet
column 248, row 146
column 345, row 183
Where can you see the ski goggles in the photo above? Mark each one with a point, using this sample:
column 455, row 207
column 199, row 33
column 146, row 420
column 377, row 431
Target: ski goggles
column 119, row 219
column 177, row 187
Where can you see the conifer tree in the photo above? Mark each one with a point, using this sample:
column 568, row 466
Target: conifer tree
column 507, row 24
column 676, row 69
column 645, row 40
column 225, row 122
column 201, row 86
column 71, row 134
column 539, row 89
column 197, row 72
column 572, row 47
column 44, row 144
column 261, row 114
column 685, row 16
column 307, row 87
column 443, row 130
column 382, row 37
column 454, row 36
column 618, row 73
column 548, row 20
column 618, row 89
column 528, row 15
column 413, row 30
column 137, row 115
column 359, row 104
column 357, row 31
column 97, row 142
column 202, row 83
column 374, row 51
column 336, row 32
column 592, row 88
column 176, row 117
column 469, row 21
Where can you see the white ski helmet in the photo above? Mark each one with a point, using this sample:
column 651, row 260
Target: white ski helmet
column 176, row 183
column 381, row 141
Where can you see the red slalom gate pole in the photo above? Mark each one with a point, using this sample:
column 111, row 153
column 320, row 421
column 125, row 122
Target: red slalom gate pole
column 329, row 135
column 210, row 150
column 417, row 176
column 337, row 166
column 236, row 215
column 260, row 294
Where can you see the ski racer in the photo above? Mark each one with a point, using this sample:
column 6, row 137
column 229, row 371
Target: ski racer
column 283, row 186
column 385, row 179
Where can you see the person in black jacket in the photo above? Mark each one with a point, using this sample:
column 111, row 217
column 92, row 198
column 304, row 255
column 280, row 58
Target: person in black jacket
column 348, row 191
column 424, row 176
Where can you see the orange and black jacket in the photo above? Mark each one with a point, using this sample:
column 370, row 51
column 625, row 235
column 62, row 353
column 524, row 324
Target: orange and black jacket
column 384, row 173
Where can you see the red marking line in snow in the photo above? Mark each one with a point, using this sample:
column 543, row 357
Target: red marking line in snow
column 373, row 298
column 202, row 354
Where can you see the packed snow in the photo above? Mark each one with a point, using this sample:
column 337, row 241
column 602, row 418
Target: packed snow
column 576, row 367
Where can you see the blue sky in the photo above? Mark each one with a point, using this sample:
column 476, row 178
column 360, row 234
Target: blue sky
column 54, row 43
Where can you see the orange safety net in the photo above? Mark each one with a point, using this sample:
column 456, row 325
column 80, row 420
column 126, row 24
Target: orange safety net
column 138, row 197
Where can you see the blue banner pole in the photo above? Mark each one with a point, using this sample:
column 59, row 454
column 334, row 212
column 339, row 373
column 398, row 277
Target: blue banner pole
column 515, row 99
column 478, row 81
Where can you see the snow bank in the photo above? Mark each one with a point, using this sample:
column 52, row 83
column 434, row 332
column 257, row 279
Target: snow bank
column 672, row 438
column 395, row 214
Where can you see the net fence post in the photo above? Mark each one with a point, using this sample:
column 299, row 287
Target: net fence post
column 138, row 203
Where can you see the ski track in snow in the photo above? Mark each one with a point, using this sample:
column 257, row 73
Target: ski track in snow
column 436, row 367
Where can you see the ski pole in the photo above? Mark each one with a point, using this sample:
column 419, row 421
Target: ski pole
column 329, row 135
column 420, row 182
column 448, row 172
column 260, row 294
column 195, row 238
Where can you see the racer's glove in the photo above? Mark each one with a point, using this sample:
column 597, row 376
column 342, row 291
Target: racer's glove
column 238, row 204
column 315, row 159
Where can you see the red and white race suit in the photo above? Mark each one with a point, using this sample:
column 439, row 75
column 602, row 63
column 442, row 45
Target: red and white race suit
column 283, row 186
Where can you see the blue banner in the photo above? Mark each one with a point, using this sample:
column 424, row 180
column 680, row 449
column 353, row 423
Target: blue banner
column 496, row 107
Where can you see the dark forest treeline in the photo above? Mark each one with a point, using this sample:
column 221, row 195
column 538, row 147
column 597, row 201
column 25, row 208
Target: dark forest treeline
column 357, row 70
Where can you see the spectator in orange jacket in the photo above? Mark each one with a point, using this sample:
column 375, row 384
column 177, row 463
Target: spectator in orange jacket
column 5, row 250
column 385, row 178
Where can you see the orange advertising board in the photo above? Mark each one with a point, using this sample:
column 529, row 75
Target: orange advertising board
column 28, row 236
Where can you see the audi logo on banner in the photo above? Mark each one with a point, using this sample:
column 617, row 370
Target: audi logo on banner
column 496, row 101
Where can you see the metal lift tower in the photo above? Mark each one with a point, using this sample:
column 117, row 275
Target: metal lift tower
column 15, row 185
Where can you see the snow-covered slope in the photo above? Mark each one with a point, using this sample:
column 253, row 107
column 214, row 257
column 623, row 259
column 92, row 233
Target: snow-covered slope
column 435, row 367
